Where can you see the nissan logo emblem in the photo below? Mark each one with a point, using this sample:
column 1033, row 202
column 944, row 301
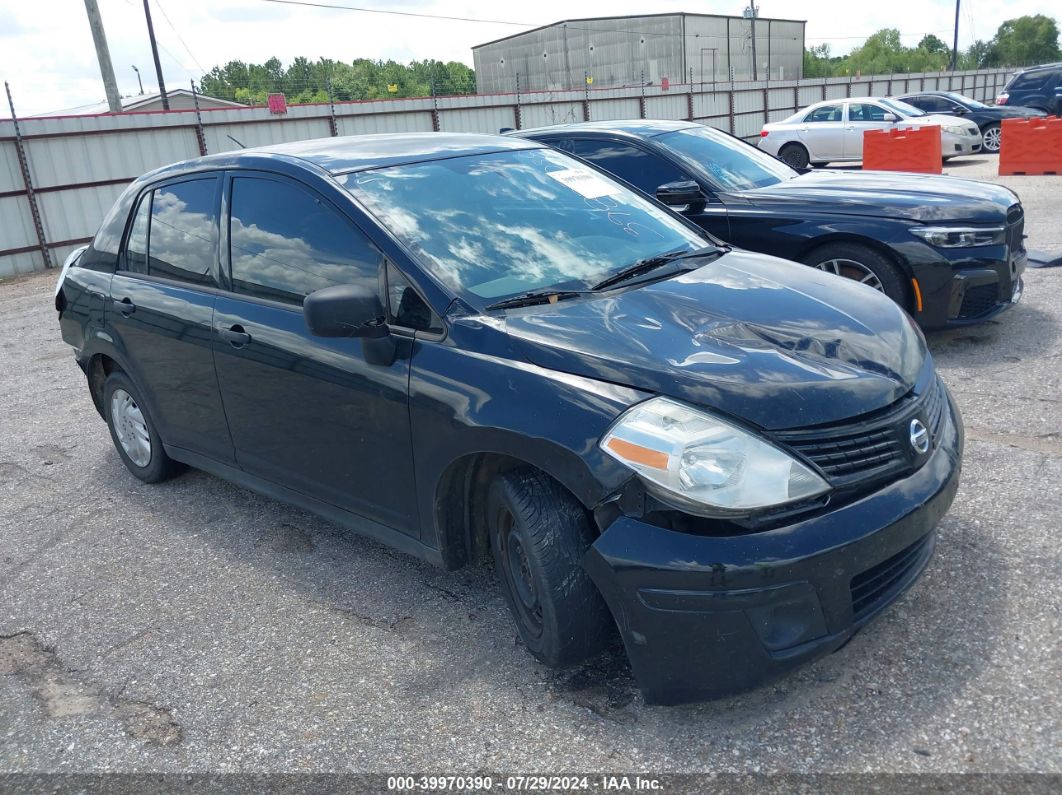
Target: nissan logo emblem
column 919, row 437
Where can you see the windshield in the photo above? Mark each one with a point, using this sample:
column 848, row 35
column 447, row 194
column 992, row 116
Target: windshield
column 965, row 100
column 902, row 108
column 729, row 163
column 497, row 225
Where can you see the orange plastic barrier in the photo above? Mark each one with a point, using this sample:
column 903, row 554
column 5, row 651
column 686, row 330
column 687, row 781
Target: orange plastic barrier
column 912, row 149
column 1031, row 146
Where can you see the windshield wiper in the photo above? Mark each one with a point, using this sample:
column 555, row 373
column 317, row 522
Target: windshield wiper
column 535, row 297
column 652, row 263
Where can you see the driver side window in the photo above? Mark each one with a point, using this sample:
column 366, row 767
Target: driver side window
column 825, row 113
column 643, row 170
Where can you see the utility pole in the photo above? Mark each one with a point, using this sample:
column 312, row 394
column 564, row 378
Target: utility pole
column 955, row 41
column 155, row 53
column 103, row 54
column 752, row 25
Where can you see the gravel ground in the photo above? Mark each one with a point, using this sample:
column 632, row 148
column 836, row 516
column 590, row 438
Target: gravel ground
column 195, row 626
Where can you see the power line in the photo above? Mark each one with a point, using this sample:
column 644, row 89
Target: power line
column 179, row 38
column 362, row 9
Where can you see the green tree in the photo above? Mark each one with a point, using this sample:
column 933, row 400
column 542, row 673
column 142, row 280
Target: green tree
column 934, row 45
column 981, row 55
column 1027, row 40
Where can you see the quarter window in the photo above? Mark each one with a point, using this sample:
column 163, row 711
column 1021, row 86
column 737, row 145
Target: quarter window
column 286, row 243
column 825, row 113
column 643, row 170
column 136, row 248
column 182, row 242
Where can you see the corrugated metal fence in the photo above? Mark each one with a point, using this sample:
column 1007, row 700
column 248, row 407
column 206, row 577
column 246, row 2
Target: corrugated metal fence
column 59, row 175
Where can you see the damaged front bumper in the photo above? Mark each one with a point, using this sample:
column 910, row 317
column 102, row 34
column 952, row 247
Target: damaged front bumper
column 705, row 616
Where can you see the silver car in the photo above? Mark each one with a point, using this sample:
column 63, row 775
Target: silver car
column 833, row 130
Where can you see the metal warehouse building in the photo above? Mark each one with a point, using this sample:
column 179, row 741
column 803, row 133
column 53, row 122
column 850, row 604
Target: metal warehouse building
column 625, row 51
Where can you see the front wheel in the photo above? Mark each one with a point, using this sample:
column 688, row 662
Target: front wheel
column 862, row 264
column 538, row 536
column 991, row 137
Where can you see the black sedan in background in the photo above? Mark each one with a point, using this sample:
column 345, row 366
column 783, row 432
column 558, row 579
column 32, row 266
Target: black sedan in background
column 950, row 251
column 987, row 117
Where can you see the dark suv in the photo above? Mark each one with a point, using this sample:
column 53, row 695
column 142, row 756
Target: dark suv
column 469, row 345
column 1038, row 87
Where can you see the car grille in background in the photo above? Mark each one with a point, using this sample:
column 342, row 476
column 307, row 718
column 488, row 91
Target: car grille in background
column 880, row 584
column 870, row 447
column 979, row 300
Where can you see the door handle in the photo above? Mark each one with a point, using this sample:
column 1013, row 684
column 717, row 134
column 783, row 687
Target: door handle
column 125, row 306
column 235, row 336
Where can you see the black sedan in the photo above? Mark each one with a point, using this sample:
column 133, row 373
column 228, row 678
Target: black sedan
column 986, row 117
column 470, row 346
column 950, row 251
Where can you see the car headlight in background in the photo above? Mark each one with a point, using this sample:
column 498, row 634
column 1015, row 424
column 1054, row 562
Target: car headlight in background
column 955, row 130
column 704, row 464
column 961, row 236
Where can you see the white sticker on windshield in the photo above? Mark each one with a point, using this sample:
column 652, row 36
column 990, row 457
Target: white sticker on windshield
column 585, row 183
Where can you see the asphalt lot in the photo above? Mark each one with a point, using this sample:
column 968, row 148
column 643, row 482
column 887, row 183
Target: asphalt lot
column 196, row 626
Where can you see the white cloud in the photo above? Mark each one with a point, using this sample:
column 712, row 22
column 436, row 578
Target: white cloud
column 48, row 57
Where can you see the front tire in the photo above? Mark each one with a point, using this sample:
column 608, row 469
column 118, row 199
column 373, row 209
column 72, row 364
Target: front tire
column 863, row 264
column 538, row 536
column 133, row 431
column 991, row 138
column 794, row 155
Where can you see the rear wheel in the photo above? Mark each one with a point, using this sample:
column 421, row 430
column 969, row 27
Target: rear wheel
column 133, row 432
column 538, row 536
column 820, row 163
column 794, row 155
column 862, row 264
column 990, row 138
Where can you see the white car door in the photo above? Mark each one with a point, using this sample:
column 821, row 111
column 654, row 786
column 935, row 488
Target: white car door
column 863, row 116
column 822, row 132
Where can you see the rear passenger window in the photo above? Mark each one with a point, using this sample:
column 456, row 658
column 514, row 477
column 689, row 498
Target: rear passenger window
column 182, row 240
column 136, row 248
column 825, row 113
column 643, row 170
column 286, row 243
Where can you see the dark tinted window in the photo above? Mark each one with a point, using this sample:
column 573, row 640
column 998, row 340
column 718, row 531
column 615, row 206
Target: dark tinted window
column 644, row 170
column 864, row 111
column 825, row 113
column 564, row 144
column 286, row 243
column 183, row 238
column 136, row 258
column 406, row 307
column 928, row 104
column 1031, row 80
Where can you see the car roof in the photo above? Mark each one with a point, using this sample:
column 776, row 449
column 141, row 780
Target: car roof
column 642, row 128
column 350, row 153
column 1055, row 65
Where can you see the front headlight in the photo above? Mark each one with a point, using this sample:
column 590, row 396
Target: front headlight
column 961, row 236
column 704, row 464
column 955, row 130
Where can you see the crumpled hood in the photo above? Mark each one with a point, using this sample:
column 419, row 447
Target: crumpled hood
column 916, row 197
column 774, row 343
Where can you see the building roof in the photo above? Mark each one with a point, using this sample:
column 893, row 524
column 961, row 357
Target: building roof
column 134, row 103
column 628, row 16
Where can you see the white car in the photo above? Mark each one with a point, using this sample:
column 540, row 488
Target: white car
column 833, row 130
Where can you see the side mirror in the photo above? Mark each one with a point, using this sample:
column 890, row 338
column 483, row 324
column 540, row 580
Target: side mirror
column 678, row 194
column 891, row 117
column 345, row 310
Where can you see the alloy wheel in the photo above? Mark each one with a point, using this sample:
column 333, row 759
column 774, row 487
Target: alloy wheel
column 851, row 269
column 991, row 139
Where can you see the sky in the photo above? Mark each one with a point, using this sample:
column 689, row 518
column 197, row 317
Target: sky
column 47, row 55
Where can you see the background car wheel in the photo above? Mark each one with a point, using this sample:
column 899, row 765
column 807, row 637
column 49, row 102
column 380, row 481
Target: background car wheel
column 990, row 137
column 538, row 536
column 134, row 433
column 795, row 155
column 820, row 163
column 863, row 264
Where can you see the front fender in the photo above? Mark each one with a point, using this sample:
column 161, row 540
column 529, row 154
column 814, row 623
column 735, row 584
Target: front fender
column 464, row 403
